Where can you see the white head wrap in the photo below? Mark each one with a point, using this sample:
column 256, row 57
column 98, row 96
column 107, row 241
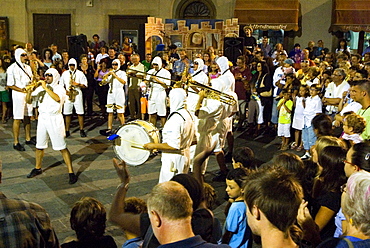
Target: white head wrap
column 177, row 99
column 200, row 65
column 223, row 64
column 72, row 61
column 56, row 76
column 17, row 54
column 157, row 60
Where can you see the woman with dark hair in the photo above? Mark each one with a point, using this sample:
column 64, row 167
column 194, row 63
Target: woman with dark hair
column 88, row 217
column 46, row 57
column 326, row 189
column 88, row 93
column 343, row 47
column 207, row 62
column 263, row 87
column 322, row 125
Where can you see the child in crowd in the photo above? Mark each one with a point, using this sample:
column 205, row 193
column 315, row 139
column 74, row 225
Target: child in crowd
column 353, row 126
column 299, row 103
column 88, row 217
column 313, row 106
column 243, row 157
column 214, row 73
column 136, row 206
column 285, row 107
column 237, row 232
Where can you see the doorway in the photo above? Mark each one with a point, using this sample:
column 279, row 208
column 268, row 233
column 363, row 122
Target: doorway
column 51, row 29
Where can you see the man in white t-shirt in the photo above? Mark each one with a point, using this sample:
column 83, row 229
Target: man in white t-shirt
column 334, row 91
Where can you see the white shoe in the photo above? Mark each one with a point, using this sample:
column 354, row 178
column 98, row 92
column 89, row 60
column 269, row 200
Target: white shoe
column 306, row 156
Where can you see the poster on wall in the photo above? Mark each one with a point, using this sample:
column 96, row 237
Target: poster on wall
column 4, row 33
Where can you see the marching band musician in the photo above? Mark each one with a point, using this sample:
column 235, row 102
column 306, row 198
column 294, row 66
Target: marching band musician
column 178, row 133
column 209, row 112
column 157, row 95
column 19, row 75
column 51, row 97
column 73, row 80
column 192, row 100
column 225, row 125
column 200, row 77
column 116, row 96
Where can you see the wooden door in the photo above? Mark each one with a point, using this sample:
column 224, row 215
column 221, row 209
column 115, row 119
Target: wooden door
column 51, row 29
column 132, row 22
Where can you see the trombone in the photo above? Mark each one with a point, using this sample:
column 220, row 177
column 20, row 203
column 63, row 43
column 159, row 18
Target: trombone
column 210, row 92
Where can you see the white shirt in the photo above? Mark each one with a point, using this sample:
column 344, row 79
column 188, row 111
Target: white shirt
column 313, row 107
column 162, row 73
column 178, row 132
column 117, row 84
column 192, row 99
column 48, row 104
column 17, row 77
column 333, row 91
column 100, row 57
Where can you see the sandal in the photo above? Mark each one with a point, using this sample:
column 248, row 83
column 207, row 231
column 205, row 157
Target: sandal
column 293, row 146
column 299, row 148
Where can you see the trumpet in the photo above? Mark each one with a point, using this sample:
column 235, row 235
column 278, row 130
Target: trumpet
column 210, row 92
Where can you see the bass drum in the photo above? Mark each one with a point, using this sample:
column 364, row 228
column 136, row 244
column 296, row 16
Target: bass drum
column 132, row 136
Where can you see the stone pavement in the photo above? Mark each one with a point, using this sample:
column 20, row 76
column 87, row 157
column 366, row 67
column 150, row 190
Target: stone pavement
column 92, row 160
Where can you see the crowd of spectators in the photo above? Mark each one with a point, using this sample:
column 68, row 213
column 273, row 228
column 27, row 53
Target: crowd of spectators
column 320, row 199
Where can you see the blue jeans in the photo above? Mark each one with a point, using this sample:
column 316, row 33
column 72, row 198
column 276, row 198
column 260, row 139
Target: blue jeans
column 308, row 137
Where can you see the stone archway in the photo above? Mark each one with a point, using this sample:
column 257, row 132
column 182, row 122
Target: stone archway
column 195, row 9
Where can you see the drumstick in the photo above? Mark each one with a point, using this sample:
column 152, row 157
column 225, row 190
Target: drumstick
column 138, row 147
column 132, row 142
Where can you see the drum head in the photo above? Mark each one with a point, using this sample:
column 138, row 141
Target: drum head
column 132, row 134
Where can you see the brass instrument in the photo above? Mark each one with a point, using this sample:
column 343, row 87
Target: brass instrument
column 210, row 92
column 31, row 88
column 34, row 84
column 113, row 106
column 72, row 92
column 104, row 80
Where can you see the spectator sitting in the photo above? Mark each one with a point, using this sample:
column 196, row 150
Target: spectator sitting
column 273, row 197
column 170, row 210
column 353, row 126
column 136, row 206
column 138, row 223
column 243, row 157
column 88, row 217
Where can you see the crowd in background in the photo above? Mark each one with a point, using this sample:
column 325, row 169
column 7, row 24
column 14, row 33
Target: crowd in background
column 315, row 100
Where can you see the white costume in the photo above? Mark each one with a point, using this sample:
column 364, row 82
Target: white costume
column 50, row 122
column 200, row 77
column 209, row 115
column 20, row 78
column 66, row 79
column 118, row 95
column 225, row 124
column 157, row 94
column 178, row 132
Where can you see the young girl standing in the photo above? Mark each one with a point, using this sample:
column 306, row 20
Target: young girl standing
column 299, row 103
column 312, row 107
column 237, row 232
